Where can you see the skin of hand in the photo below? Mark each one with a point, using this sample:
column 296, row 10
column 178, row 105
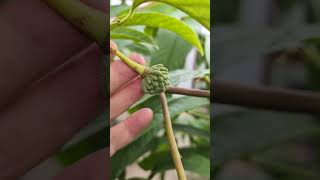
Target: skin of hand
column 49, row 90
column 125, row 90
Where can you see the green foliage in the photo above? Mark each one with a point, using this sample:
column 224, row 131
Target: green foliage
column 157, row 20
column 199, row 10
column 148, row 139
column 194, row 160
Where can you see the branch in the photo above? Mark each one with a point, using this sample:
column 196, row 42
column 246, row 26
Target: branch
column 266, row 97
column 172, row 141
column 189, row 92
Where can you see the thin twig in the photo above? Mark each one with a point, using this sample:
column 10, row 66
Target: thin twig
column 266, row 97
column 172, row 141
column 189, row 92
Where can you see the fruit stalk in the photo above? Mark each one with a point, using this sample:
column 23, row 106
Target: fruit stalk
column 172, row 141
column 140, row 69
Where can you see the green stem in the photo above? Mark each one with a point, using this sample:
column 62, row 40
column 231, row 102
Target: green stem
column 89, row 20
column 140, row 69
column 172, row 141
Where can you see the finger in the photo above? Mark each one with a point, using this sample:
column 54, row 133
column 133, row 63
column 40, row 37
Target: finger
column 120, row 73
column 126, row 131
column 125, row 98
column 34, row 40
column 93, row 167
column 49, row 114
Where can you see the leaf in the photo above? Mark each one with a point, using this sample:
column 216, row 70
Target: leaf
column 192, row 160
column 131, row 34
column 151, row 31
column 139, row 48
column 199, row 10
column 92, row 128
column 89, row 145
column 192, row 131
column 157, row 20
column 147, row 140
column 172, row 51
column 117, row 9
column 241, row 133
column 179, row 76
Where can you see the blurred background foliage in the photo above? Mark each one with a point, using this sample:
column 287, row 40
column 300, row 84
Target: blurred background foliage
column 271, row 43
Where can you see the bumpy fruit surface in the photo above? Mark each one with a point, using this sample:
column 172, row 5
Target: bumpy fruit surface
column 155, row 80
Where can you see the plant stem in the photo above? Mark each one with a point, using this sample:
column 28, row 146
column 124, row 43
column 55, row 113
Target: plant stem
column 188, row 92
column 89, row 20
column 133, row 65
column 172, row 141
column 266, row 97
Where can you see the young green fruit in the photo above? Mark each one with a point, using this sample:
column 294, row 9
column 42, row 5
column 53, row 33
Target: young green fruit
column 155, row 79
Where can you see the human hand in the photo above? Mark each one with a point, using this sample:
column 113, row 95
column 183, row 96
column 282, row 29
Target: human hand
column 125, row 90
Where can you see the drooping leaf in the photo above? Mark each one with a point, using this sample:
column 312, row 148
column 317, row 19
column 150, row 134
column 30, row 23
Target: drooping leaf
column 157, row 20
column 197, row 9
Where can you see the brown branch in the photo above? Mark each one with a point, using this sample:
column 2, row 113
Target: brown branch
column 266, row 97
column 189, row 92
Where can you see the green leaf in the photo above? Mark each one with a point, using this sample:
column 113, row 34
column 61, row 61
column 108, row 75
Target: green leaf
column 131, row 34
column 148, row 140
column 140, row 48
column 179, row 76
column 192, row 160
column 199, row 10
column 88, row 145
column 117, row 9
column 172, row 51
column 92, row 128
column 151, row 31
column 157, row 20
column 192, row 131
column 242, row 133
